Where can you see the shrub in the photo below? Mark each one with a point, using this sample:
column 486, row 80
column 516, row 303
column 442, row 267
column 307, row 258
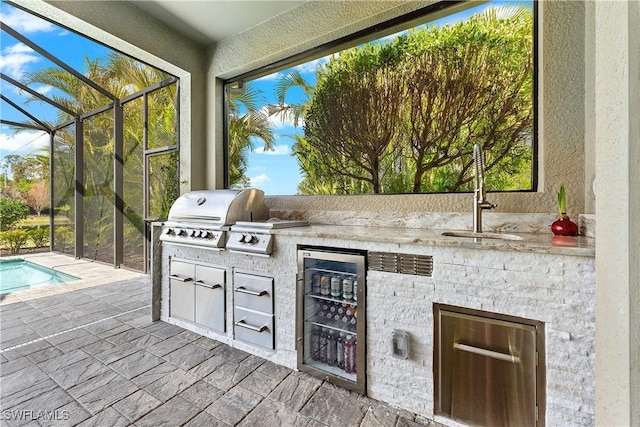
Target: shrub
column 14, row 239
column 11, row 211
column 39, row 236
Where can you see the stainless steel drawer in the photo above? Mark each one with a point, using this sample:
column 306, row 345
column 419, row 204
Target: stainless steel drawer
column 210, row 298
column 253, row 292
column 254, row 328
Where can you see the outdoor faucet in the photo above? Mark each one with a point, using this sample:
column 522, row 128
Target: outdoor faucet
column 479, row 194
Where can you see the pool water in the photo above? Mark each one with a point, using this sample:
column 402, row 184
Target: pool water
column 20, row 274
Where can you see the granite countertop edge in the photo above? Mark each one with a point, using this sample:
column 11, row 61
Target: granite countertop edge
column 531, row 242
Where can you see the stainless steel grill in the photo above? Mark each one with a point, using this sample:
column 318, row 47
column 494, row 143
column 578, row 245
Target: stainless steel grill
column 202, row 218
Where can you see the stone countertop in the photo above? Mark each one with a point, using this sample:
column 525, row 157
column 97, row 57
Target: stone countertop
column 531, row 242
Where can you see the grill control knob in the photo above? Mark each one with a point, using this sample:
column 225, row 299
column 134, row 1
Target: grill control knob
column 182, row 233
column 206, row 235
column 250, row 239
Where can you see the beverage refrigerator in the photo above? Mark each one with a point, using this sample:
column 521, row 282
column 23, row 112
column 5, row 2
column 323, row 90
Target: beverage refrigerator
column 330, row 315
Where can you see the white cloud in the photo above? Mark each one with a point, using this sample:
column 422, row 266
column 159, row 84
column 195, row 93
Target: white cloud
column 14, row 60
column 22, row 143
column 259, row 180
column 310, row 67
column 44, row 89
column 307, row 67
column 24, row 22
column 278, row 150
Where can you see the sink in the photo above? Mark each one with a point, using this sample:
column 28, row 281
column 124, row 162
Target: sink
column 500, row 236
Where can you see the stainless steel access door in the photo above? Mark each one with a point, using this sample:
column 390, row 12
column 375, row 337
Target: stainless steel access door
column 486, row 370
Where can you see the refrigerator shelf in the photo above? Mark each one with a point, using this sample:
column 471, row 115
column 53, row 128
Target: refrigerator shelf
column 337, row 272
column 336, row 326
column 331, row 370
column 332, row 299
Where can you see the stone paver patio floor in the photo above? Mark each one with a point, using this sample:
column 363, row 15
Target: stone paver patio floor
column 91, row 356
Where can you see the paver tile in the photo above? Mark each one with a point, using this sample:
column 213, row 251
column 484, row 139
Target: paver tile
column 26, row 349
column 46, row 403
column 100, row 398
column 65, row 359
column 135, row 364
column 78, row 372
column 272, row 413
column 65, row 416
column 327, row 406
column 188, row 356
column 169, row 385
column 12, row 398
column 126, row 336
column 154, row 374
column 175, row 412
column 230, row 374
column 234, row 406
column 95, row 383
column 109, row 417
column 136, row 405
column 167, row 345
column 294, row 392
column 205, row 419
column 11, row 366
column 259, row 383
column 272, row 370
column 202, row 394
column 22, row 379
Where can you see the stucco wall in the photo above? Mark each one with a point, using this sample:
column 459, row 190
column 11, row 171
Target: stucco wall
column 118, row 25
column 561, row 95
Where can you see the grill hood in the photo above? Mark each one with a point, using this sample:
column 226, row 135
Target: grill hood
column 220, row 207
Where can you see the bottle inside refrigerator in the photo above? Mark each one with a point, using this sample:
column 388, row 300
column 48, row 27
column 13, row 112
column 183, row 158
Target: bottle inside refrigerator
column 330, row 315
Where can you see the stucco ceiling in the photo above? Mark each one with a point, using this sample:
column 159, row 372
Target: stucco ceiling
column 209, row 21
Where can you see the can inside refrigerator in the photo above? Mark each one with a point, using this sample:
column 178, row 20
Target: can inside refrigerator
column 331, row 315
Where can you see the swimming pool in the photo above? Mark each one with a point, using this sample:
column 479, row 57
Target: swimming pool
column 18, row 274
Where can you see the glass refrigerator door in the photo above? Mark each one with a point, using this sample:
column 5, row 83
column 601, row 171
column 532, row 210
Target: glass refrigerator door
column 332, row 317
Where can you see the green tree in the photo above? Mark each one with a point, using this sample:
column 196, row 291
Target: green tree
column 451, row 87
column 11, row 212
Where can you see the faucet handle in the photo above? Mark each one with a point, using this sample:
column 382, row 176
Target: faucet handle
column 487, row 205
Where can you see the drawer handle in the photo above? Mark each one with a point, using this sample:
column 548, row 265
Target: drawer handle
column 243, row 290
column 207, row 285
column 181, row 278
column 487, row 353
column 244, row 324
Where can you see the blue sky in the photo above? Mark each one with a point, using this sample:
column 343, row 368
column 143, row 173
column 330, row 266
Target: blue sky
column 16, row 59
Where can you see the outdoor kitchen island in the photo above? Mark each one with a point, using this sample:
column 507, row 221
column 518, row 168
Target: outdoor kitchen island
column 540, row 279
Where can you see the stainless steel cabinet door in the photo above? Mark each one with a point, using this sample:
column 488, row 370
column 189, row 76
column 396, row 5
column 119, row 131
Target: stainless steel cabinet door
column 182, row 292
column 210, row 298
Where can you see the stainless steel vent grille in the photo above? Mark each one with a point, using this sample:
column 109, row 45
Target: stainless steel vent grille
column 416, row 265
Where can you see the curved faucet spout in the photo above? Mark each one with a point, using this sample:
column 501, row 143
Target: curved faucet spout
column 479, row 195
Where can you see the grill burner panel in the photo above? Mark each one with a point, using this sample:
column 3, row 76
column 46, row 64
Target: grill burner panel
column 194, row 234
column 255, row 238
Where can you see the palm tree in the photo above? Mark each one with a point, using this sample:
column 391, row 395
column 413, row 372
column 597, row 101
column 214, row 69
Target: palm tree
column 292, row 79
column 121, row 76
column 246, row 124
